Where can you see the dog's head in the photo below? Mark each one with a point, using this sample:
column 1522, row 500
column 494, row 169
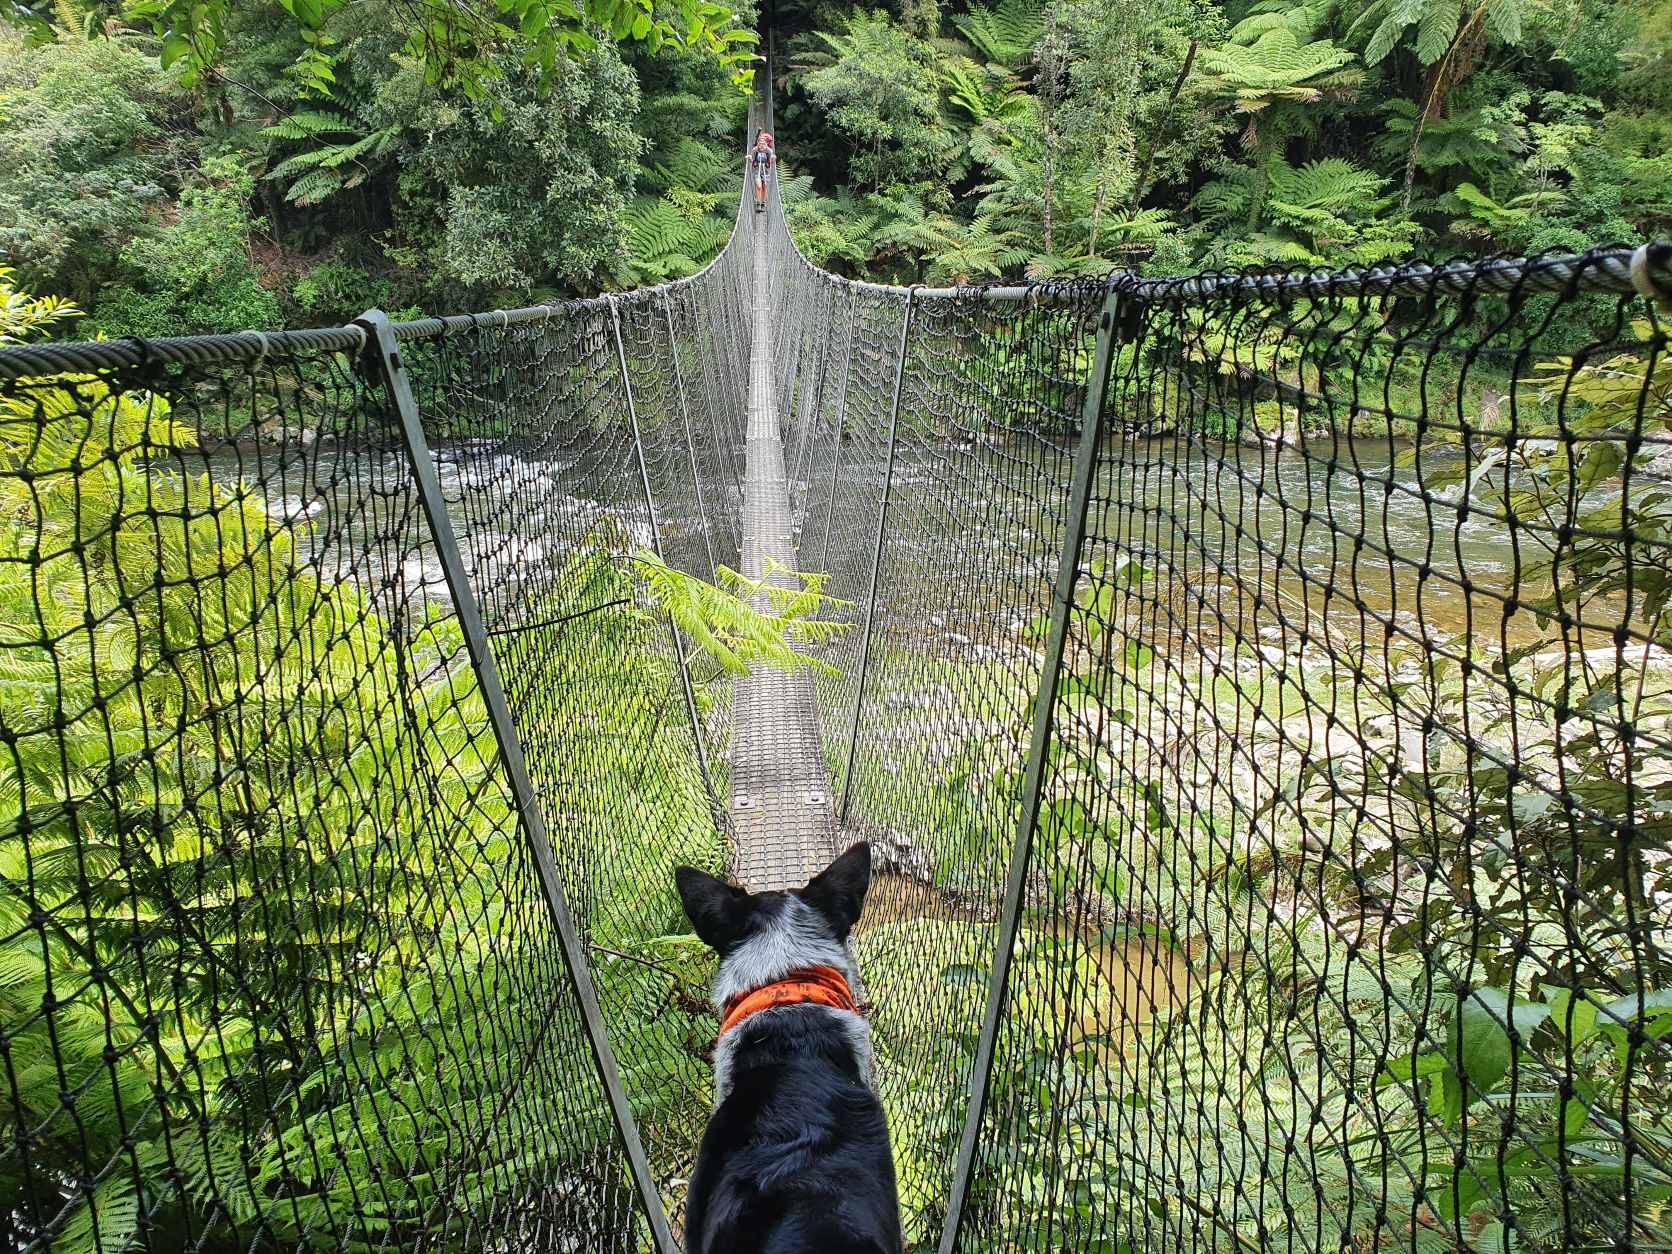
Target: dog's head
column 762, row 937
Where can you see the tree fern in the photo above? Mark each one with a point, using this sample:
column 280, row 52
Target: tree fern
column 1436, row 24
column 334, row 164
column 698, row 166
column 1271, row 58
column 1006, row 34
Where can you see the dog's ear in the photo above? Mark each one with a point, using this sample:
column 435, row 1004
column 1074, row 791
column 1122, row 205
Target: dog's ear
column 719, row 912
column 838, row 891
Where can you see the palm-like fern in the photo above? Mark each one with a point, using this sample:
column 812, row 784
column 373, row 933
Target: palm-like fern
column 1273, row 58
column 1335, row 206
column 983, row 93
column 831, row 230
column 955, row 252
column 340, row 157
column 696, row 165
column 1477, row 139
column 1438, row 24
column 667, row 238
column 1004, row 35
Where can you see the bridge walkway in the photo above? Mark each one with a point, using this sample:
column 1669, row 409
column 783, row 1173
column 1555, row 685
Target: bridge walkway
column 781, row 809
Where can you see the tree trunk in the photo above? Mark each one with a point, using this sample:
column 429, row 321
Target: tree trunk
column 1045, row 212
column 1439, row 78
column 1142, row 184
column 1050, row 71
column 1097, row 215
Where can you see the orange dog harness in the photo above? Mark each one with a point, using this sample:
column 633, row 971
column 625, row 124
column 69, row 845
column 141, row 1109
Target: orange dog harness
column 817, row 986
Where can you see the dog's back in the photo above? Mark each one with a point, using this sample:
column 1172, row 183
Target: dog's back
column 796, row 1157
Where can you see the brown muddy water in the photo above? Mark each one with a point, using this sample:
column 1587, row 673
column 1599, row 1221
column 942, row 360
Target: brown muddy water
column 1122, row 982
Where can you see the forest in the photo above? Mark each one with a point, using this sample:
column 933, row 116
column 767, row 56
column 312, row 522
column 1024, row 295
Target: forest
column 183, row 166
column 176, row 168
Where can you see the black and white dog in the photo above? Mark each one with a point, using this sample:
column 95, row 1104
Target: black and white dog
column 795, row 1159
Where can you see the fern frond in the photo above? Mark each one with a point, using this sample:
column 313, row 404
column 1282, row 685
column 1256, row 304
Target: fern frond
column 308, row 124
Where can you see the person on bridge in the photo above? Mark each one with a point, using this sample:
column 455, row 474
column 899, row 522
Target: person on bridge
column 761, row 160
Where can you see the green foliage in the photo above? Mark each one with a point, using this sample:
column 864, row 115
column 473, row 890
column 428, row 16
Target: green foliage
column 1330, row 213
column 1435, row 26
column 338, row 156
column 720, row 621
column 195, row 274
column 533, row 190
column 1004, row 35
column 269, row 639
column 670, row 237
column 24, row 318
column 1275, row 58
column 1489, row 126
column 83, row 143
column 878, row 85
column 460, row 46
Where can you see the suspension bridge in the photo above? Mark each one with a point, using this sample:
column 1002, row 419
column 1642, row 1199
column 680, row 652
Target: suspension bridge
column 1253, row 686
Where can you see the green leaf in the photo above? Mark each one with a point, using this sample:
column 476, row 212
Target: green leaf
column 1479, row 1045
column 1435, row 29
column 1602, row 460
column 1654, row 1004
column 1410, row 1068
column 174, row 47
column 308, row 12
column 1574, row 1017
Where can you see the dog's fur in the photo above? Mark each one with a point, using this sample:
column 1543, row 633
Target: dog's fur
column 796, row 1158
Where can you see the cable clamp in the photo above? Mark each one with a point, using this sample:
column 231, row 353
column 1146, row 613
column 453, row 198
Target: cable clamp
column 1644, row 282
column 262, row 355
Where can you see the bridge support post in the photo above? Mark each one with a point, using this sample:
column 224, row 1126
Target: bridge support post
column 715, row 808
column 1118, row 305
column 690, row 444
column 384, row 350
column 876, row 552
column 841, row 428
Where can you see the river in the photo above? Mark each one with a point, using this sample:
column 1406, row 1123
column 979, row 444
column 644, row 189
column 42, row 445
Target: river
column 1344, row 518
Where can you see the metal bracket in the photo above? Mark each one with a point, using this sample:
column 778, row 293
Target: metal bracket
column 385, row 352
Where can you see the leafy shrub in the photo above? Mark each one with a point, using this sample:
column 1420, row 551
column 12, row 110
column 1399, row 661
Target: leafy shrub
column 196, row 274
column 82, row 147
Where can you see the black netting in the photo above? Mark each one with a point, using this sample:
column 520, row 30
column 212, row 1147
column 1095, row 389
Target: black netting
column 276, row 970
column 1320, row 905
column 1346, row 906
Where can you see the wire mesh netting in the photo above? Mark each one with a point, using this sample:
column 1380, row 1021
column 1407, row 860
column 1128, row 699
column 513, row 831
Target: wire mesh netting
column 1347, row 907
column 1320, row 903
column 276, row 970
column 563, row 492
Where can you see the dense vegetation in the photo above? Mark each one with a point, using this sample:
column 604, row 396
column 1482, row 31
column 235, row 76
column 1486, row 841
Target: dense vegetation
column 219, row 167
column 1074, row 136
column 163, row 199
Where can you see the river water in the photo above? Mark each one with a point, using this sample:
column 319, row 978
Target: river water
column 1341, row 522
